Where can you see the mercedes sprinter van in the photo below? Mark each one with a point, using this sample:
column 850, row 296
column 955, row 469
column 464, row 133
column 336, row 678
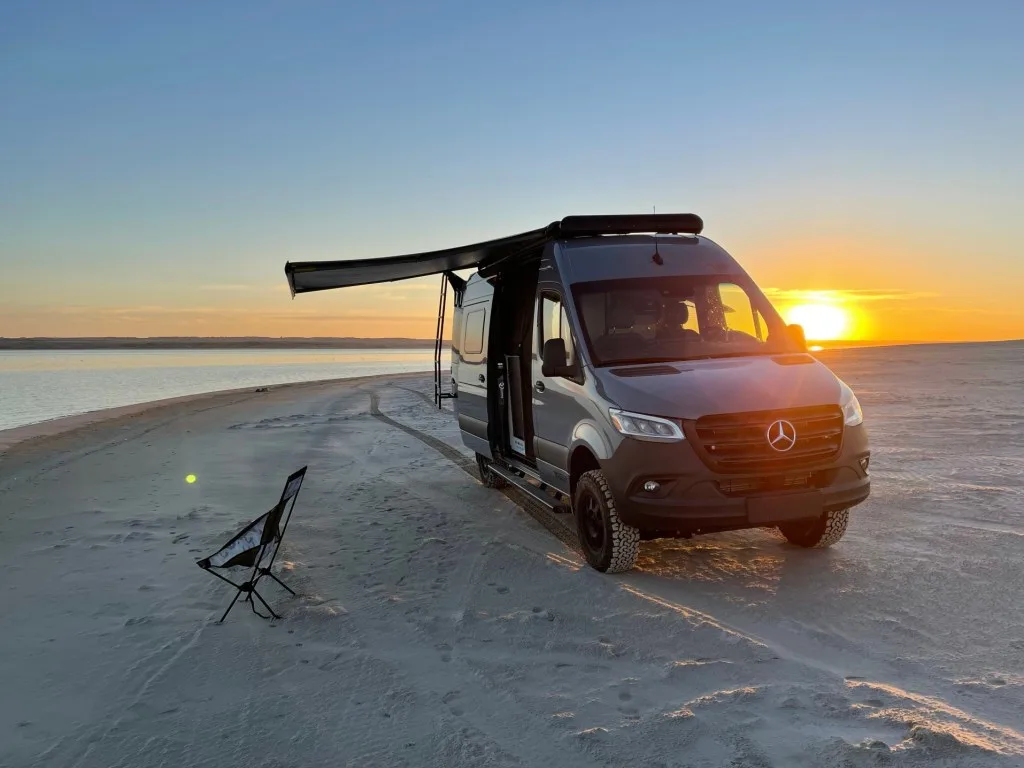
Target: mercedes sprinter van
column 626, row 369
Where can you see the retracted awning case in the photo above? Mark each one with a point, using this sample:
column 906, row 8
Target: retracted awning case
column 307, row 276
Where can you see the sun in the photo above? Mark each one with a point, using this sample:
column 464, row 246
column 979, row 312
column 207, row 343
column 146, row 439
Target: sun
column 821, row 322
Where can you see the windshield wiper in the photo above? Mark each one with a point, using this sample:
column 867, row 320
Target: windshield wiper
column 685, row 358
column 716, row 356
column 642, row 361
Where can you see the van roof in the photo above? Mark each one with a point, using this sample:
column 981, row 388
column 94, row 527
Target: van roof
column 308, row 276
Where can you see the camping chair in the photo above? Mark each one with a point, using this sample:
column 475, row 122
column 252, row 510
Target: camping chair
column 250, row 546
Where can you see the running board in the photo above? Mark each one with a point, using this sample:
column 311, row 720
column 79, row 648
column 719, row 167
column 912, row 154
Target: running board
column 528, row 488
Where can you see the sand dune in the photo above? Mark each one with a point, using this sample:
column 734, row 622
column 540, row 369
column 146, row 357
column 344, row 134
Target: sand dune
column 439, row 623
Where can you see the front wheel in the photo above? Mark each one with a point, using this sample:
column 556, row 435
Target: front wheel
column 823, row 531
column 487, row 476
column 609, row 545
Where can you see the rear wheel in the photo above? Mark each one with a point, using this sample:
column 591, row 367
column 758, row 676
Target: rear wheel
column 487, row 475
column 823, row 531
column 608, row 544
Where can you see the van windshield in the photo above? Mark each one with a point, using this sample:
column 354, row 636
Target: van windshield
column 647, row 320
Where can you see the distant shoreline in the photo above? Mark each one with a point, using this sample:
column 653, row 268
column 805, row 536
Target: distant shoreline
column 258, row 342
column 175, row 342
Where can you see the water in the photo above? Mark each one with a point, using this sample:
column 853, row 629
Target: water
column 40, row 385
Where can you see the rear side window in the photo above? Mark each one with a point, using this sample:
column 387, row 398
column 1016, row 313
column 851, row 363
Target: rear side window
column 473, row 339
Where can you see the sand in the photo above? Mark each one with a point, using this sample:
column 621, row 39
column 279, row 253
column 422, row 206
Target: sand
column 439, row 623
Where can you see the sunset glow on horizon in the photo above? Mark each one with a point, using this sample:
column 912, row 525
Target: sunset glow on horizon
column 408, row 310
column 821, row 322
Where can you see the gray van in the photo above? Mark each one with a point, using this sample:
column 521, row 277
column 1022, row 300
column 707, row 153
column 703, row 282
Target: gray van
column 627, row 369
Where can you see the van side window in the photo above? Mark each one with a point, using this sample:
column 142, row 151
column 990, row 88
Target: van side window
column 555, row 324
column 473, row 338
column 737, row 312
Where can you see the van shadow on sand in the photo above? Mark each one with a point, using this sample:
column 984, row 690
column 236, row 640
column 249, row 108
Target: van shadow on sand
column 746, row 567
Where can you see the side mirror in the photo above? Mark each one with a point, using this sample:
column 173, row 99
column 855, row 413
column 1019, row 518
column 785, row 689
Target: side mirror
column 796, row 334
column 553, row 359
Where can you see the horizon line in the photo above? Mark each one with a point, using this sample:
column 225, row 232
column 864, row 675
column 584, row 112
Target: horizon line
column 82, row 340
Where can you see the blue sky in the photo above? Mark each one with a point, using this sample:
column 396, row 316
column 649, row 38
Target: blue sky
column 165, row 159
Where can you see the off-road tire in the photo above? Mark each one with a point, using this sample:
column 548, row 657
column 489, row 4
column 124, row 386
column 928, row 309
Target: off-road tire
column 822, row 532
column 608, row 544
column 487, row 477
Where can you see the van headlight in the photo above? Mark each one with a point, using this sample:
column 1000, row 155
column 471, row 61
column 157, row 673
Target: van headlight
column 852, row 413
column 645, row 427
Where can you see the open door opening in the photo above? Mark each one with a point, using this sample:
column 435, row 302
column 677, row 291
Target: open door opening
column 513, row 316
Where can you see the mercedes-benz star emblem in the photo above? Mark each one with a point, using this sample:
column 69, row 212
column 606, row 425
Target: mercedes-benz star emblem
column 781, row 435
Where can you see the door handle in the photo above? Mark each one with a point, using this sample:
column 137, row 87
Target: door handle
column 539, row 386
column 480, row 378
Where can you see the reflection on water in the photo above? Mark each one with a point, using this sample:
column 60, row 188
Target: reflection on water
column 40, row 385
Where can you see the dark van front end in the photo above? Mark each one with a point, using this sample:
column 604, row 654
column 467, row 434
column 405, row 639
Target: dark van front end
column 731, row 469
column 713, row 415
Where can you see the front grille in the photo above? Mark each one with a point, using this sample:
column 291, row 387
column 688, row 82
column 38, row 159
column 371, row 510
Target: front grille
column 738, row 442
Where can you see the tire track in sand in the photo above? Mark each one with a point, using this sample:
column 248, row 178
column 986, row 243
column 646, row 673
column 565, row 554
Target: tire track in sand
column 562, row 532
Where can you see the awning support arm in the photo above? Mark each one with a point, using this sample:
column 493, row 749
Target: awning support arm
column 459, row 285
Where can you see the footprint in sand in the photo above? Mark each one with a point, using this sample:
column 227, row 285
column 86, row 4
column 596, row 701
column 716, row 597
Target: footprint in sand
column 449, row 698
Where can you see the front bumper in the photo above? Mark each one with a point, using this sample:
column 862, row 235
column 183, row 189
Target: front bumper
column 692, row 498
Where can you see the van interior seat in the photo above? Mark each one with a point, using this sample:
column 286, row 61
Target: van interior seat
column 677, row 314
column 620, row 340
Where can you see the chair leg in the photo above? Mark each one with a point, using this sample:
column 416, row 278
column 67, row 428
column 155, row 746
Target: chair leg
column 233, row 601
column 268, row 573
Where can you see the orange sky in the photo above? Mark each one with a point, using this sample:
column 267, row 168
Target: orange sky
column 886, row 292
column 897, row 289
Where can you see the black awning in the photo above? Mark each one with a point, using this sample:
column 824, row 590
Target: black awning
column 307, row 276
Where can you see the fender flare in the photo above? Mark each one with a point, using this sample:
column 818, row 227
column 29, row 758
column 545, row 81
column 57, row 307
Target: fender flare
column 587, row 434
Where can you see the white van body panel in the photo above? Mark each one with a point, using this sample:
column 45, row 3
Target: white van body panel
column 470, row 335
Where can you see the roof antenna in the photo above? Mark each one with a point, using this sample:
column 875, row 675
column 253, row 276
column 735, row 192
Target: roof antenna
column 656, row 258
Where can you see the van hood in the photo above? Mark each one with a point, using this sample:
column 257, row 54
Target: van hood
column 695, row 388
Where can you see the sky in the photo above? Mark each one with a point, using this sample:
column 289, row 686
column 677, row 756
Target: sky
column 161, row 161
